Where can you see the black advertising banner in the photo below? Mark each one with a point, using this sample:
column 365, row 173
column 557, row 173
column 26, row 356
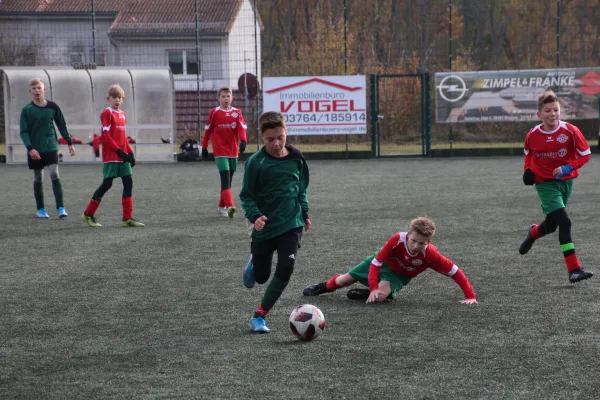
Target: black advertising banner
column 490, row 96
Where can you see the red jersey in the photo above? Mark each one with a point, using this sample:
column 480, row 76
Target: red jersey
column 546, row 151
column 114, row 135
column 225, row 127
column 396, row 256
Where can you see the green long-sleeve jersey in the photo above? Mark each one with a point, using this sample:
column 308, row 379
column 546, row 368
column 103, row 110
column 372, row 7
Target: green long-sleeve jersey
column 37, row 128
column 276, row 188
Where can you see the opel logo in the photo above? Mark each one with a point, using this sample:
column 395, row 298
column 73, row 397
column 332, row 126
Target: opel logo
column 452, row 88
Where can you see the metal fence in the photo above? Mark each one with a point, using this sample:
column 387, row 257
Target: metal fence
column 210, row 43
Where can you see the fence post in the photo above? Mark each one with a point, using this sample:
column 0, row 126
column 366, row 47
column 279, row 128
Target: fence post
column 427, row 114
column 94, row 34
column 374, row 114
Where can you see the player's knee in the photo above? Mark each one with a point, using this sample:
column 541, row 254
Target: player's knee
column 127, row 186
column 38, row 176
column 225, row 179
column 561, row 219
column 550, row 228
column 106, row 185
column 345, row 280
column 565, row 224
column 262, row 268
column 53, row 172
column 284, row 270
column 261, row 277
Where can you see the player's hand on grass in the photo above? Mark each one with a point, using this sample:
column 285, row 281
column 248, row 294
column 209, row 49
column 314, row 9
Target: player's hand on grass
column 123, row 156
column 35, row 155
column 72, row 150
column 307, row 225
column 131, row 159
column 260, row 223
column 376, row 296
column 204, row 154
column 562, row 171
column 242, row 146
column 528, row 177
column 468, row 301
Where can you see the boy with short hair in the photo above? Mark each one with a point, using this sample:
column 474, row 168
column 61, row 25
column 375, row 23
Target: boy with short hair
column 39, row 137
column 118, row 159
column 274, row 199
column 404, row 256
column 554, row 152
column 226, row 125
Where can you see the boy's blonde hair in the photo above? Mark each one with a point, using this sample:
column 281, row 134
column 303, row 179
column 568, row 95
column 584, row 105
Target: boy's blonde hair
column 547, row 97
column 423, row 226
column 35, row 82
column 116, row 91
column 225, row 89
column 270, row 120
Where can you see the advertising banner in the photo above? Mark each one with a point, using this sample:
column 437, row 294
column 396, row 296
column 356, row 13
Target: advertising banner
column 492, row 96
column 324, row 105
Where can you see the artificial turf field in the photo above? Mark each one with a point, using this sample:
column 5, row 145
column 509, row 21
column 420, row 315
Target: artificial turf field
column 161, row 313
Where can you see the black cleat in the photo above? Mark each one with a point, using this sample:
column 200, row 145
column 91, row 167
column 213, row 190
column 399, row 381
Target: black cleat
column 358, row 294
column 527, row 243
column 579, row 275
column 315, row 290
column 363, row 294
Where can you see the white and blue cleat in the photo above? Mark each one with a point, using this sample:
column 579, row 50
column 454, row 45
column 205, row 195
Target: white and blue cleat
column 248, row 276
column 259, row 325
column 62, row 213
column 41, row 213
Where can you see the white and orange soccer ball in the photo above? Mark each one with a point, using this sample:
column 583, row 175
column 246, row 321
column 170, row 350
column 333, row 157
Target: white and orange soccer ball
column 307, row 322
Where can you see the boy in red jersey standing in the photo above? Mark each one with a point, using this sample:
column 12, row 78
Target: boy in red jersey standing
column 118, row 159
column 554, row 152
column 226, row 125
column 404, row 256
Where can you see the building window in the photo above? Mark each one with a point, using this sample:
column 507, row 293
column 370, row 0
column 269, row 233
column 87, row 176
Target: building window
column 100, row 58
column 191, row 62
column 76, row 58
column 184, row 62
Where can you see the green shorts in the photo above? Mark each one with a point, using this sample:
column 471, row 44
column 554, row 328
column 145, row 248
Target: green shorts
column 226, row 163
column 554, row 194
column 116, row 169
column 361, row 274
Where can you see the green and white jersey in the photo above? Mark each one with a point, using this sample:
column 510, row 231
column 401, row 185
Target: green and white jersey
column 37, row 127
column 276, row 188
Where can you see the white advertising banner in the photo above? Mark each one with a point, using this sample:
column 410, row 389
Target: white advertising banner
column 324, row 105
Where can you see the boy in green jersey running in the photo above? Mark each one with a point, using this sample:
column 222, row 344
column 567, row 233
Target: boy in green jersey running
column 39, row 137
column 274, row 199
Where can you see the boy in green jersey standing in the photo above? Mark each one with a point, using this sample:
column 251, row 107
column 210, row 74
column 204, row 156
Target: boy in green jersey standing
column 39, row 137
column 274, row 199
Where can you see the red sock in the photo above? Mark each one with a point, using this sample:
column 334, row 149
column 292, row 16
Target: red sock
column 331, row 285
column 572, row 262
column 227, row 197
column 91, row 208
column 261, row 311
column 535, row 233
column 221, row 202
column 127, row 208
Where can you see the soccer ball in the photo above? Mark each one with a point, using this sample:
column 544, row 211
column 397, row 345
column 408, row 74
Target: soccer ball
column 307, row 322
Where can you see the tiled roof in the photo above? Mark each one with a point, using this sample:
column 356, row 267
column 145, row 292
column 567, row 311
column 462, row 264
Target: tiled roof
column 147, row 17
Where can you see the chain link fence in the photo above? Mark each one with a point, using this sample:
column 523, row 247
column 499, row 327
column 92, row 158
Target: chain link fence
column 213, row 43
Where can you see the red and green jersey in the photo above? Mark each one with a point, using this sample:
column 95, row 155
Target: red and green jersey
column 546, row 151
column 114, row 135
column 226, row 127
column 37, row 127
column 396, row 256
